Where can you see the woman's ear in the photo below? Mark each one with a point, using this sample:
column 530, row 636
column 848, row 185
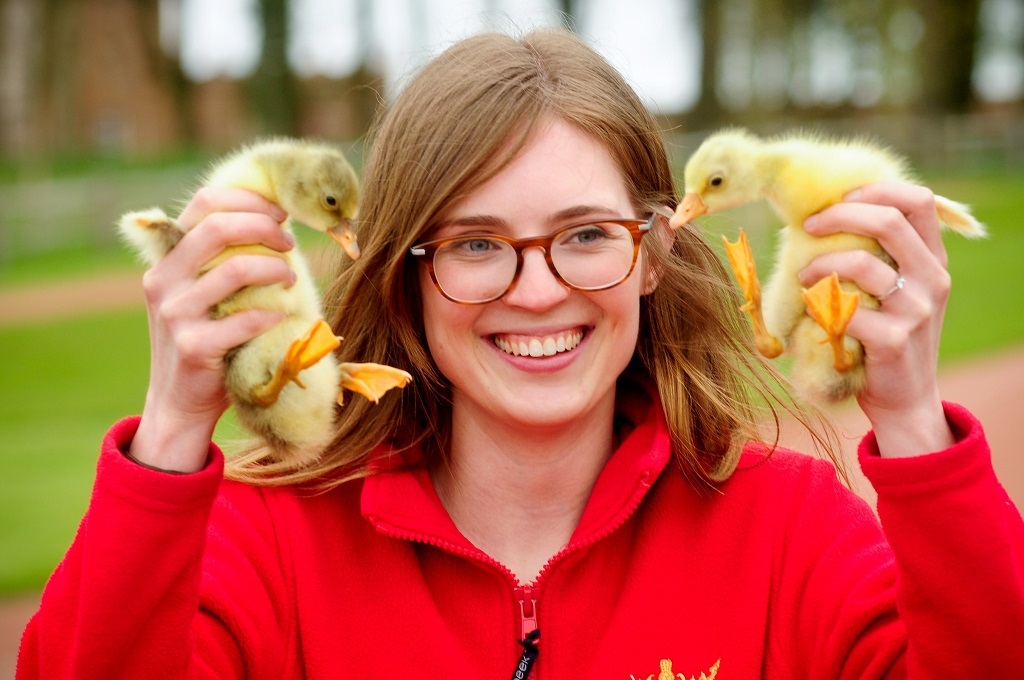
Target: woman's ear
column 666, row 237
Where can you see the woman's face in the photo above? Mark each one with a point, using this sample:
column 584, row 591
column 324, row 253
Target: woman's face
column 561, row 177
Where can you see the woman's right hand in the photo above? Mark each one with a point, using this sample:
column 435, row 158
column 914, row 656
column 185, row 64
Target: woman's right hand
column 186, row 394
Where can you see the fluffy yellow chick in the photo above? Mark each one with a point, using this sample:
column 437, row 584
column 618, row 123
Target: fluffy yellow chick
column 800, row 175
column 284, row 384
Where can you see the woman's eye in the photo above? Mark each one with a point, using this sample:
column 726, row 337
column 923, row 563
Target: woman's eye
column 585, row 235
column 475, row 245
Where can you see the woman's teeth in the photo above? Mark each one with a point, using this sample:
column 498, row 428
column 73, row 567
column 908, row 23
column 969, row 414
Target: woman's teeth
column 522, row 346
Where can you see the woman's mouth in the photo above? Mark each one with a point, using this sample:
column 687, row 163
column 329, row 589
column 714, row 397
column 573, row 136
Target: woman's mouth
column 539, row 346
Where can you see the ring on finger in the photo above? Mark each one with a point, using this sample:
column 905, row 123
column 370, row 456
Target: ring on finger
column 897, row 286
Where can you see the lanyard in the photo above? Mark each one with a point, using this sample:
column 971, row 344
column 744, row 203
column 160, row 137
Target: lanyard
column 529, row 657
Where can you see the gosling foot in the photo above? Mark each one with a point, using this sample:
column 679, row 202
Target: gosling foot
column 370, row 380
column 745, row 269
column 314, row 345
column 832, row 308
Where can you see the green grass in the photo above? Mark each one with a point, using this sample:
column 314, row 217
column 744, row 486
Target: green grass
column 66, row 263
column 65, row 382
column 984, row 310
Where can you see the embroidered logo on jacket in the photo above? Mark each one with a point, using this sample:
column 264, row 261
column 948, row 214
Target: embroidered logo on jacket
column 667, row 674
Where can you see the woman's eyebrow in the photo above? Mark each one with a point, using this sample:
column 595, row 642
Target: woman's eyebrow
column 474, row 221
column 580, row 211
column 493, row 221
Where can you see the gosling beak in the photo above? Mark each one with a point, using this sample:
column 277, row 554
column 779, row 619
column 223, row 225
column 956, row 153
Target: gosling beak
column 345, row 237
column 691, row 208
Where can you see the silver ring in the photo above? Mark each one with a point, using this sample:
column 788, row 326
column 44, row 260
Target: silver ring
column 900, row 282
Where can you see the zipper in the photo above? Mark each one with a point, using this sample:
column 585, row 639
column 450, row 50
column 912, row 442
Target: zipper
column 525, row 595
column 527, row 611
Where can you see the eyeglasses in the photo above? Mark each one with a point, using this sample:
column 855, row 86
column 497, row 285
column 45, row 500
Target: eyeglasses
column 478, row 268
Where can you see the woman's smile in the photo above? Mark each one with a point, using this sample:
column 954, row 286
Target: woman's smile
column 539, row 345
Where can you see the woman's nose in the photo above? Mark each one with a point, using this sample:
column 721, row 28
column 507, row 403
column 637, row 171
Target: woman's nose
column 536, row 288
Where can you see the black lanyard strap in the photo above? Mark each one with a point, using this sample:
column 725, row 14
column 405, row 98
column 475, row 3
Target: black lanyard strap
column 531, row 650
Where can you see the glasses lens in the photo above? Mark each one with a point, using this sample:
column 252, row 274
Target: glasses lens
column 593, row 255
column 474, row 269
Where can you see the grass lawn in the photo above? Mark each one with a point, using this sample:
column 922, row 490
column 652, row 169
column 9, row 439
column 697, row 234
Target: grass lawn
column 65, row 382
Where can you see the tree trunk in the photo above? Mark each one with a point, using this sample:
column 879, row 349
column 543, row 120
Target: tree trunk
column 945, row 55
column 164, row 62
column 708, row 111
column 273, row 100
column 568, row 16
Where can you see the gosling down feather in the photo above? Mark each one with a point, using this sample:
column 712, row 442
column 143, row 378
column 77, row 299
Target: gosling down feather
column 286, row 382
column 800, row 175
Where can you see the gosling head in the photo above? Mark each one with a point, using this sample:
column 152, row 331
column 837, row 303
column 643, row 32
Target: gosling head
column 722, row 173
column 321, row 191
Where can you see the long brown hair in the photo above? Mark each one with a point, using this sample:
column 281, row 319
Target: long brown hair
column 456, row 124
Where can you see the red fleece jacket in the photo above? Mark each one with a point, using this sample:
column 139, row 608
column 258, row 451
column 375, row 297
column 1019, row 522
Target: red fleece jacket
column 779, row 573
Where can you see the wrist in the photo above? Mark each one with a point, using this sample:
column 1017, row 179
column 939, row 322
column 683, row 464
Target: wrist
column 911, row 432
column 171, row 444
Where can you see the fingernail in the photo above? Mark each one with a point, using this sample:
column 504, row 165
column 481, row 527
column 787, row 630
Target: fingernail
column 278, row 213
column 811, row 222
column 289, row 239
column 853, row 195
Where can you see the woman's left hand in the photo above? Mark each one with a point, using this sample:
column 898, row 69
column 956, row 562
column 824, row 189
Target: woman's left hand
column 901, row 338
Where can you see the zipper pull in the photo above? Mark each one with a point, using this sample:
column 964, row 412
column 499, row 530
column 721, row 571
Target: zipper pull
column 529, row 635
column 528, row 612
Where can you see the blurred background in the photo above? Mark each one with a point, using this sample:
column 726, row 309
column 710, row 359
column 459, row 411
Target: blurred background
column 112, row 105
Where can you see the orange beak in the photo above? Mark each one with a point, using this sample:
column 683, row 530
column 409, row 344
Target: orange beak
column 345, row 237
column 691, row 208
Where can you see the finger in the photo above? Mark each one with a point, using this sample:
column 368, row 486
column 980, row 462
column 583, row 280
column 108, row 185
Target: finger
column 217, row 232
column 916, row 203
column 888, row 341
column 869, row 272
column 203, row 346
column 241, row 327
column 226, row 279
column 887, row 225
column 210, row 200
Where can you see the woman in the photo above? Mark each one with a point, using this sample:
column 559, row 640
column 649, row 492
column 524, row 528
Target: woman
column 571, row 486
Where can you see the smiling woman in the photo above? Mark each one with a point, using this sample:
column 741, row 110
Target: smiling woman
column 577, row 460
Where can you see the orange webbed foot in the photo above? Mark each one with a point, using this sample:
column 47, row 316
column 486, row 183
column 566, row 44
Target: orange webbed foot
column 745, row 269
column 370, row 380
column 832, row 308
column 314, row 345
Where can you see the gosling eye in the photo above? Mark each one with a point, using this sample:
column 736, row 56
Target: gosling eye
column 716, row 181
column 331, row 201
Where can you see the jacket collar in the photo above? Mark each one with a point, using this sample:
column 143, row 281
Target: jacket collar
column 402, row 502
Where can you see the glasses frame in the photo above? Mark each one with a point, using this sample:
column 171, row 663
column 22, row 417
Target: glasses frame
column 637, row 229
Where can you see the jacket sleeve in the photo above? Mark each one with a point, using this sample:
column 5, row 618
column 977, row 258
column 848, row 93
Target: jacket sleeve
column 958, row 543
column 936, row 590
column 163, row 580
